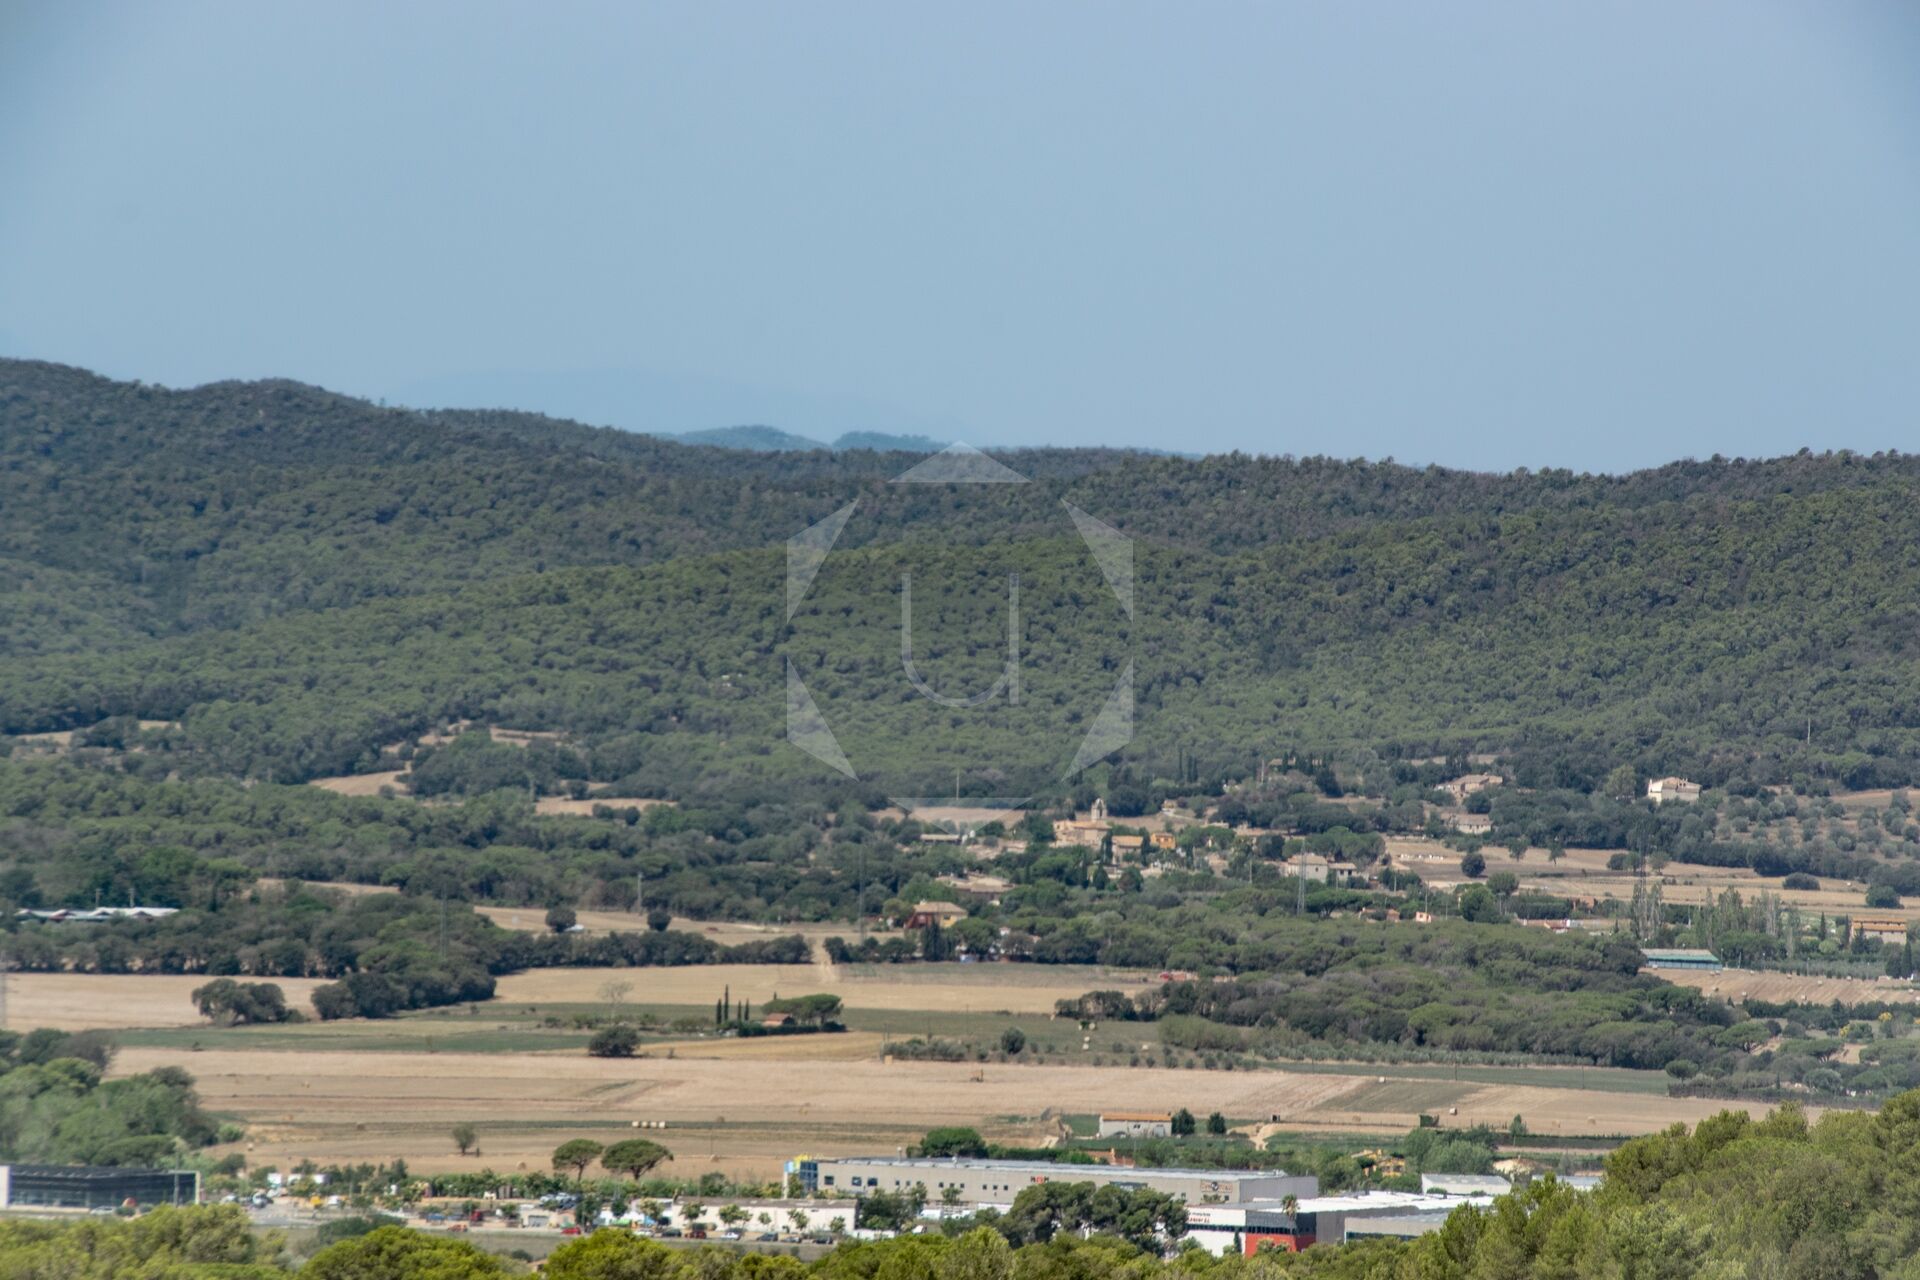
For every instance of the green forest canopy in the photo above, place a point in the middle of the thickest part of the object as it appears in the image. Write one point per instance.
(299, 578)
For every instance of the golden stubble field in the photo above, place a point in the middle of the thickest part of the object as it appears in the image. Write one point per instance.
(76, 1001)
(1583, 872)
(1742, 984)
(744, 1107)
(83, 1001)
(936, 989)
(747, 1112)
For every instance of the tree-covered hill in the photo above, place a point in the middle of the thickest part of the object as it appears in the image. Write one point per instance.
(299, 578)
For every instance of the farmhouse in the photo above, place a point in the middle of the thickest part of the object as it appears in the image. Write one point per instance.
(1888, 929)
(1465, 785)
(932, 913)
(1310, 866)
(1165, 841)
(1662, 790)
(1128, 846)
(1472, 824)
(1090, 834)
(1135, 1124)
(999, 1181)
(981, 888)
(1683, 958)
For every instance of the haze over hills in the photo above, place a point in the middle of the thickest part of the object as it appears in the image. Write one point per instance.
(774, 440)
(298, 577)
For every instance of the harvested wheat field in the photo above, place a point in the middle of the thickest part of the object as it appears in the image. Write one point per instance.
(1584, 873)
(933, 988)
(566, 807)
(79, 1001)
(744, 1114)
(1743, 984)
(726, 932)
(1549, 1111)
(957, 815)
(748, 1111)
(846, 1046)
(363, 784)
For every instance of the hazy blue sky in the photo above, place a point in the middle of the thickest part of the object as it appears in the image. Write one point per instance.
(1597, 235)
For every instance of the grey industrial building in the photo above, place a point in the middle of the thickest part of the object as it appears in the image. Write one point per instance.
(1309, 1220)
(64, 1186)
(976, 1181)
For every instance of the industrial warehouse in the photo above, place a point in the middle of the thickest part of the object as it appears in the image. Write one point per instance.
(51, 1186)
(1227, 1210)
(1293, 1224)
(997, 1182)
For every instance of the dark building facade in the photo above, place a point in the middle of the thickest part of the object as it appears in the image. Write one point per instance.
(72, 1186)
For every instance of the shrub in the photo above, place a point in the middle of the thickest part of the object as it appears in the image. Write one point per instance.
(237, 1003)
(617, 1041)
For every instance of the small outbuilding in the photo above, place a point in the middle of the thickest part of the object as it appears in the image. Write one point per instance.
(1136, 1124)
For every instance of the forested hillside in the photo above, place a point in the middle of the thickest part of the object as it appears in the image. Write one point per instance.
(298, 579)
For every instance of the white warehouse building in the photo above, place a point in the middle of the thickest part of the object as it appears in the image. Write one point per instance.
(997, 1182)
